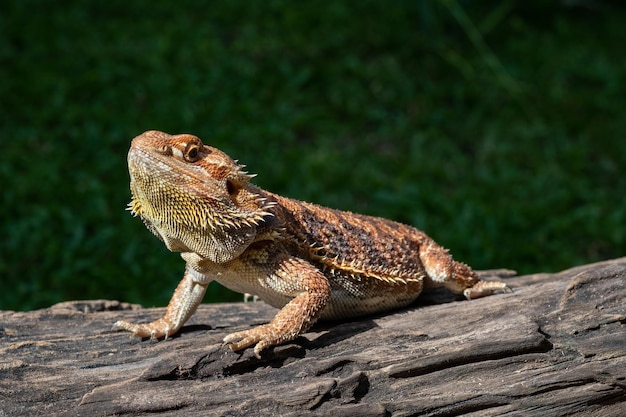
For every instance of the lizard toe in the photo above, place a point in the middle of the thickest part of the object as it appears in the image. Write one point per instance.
(155, 330)
(486, 288)
(125, 325)
(261, 337)
(241, 340)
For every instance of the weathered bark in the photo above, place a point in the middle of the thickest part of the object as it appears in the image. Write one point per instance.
(554, 347)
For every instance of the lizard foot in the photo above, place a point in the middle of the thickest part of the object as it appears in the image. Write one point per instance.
(155, 330)
(263, 336)
(485, 288)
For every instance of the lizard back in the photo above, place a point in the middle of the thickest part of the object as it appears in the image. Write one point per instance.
(372, 263)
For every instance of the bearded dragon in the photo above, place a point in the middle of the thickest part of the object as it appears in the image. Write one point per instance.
(309, 261)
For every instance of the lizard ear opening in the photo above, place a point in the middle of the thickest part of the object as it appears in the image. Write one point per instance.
(232, 188)
(236, 192)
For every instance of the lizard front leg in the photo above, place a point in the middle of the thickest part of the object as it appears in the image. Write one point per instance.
(311, 290)
(183, 304)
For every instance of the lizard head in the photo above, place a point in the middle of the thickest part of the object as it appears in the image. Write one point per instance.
(192, 196)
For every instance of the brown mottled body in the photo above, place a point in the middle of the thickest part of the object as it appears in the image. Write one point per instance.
(307, 260)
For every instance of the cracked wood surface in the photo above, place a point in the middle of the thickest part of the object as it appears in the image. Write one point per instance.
(554, 347)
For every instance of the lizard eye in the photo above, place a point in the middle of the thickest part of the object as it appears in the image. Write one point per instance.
(192, 152)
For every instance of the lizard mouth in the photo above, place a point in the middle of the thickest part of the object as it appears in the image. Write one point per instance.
(160, 162)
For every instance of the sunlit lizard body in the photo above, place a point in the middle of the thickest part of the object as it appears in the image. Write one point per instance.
(309, 261)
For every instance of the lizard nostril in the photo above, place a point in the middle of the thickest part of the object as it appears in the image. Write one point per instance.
(165, 150)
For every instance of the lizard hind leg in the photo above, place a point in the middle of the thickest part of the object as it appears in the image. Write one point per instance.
(475, 287)
(457, 277)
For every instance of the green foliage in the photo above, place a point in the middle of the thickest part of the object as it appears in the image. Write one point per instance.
(499, 130)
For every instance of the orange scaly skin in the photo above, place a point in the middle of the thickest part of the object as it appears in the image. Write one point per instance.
(310, 261)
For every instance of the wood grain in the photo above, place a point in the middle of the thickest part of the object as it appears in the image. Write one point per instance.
(554, 347)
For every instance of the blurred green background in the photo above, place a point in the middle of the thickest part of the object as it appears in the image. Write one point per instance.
(496, 127)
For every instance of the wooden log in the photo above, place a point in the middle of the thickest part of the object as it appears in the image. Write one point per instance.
(554, 347)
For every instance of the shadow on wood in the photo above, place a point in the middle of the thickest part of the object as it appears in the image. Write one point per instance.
(554, 347)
